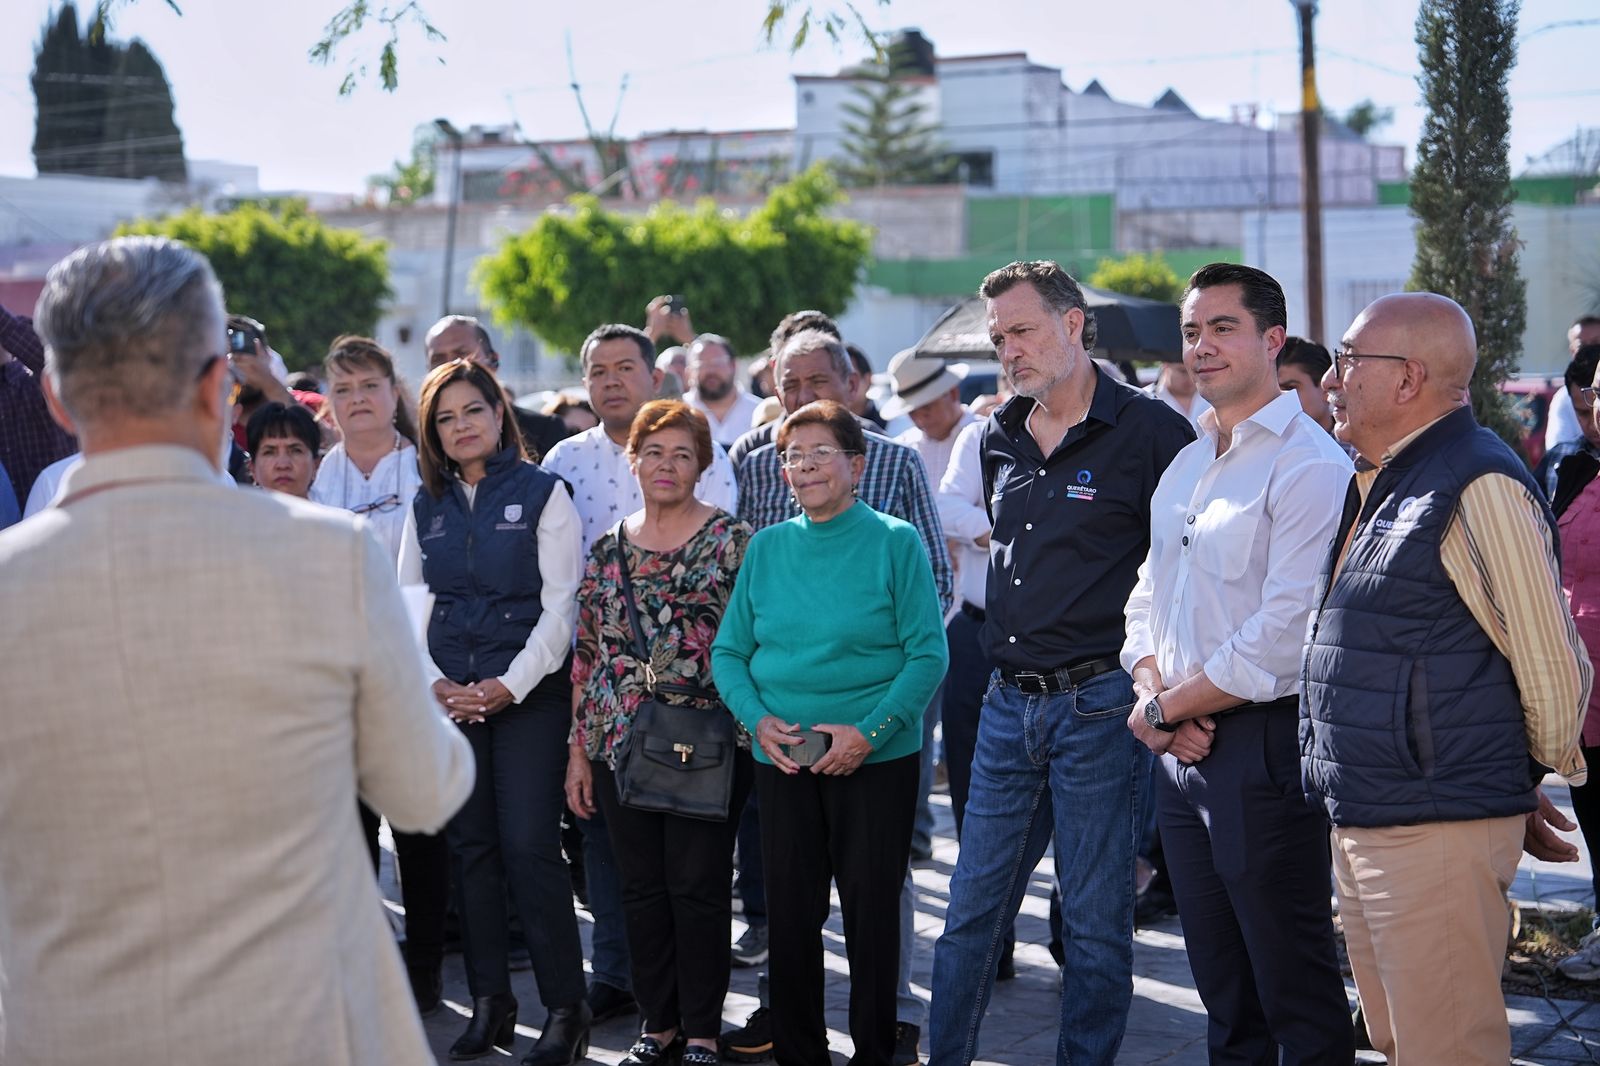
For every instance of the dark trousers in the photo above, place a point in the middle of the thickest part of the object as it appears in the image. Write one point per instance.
(1250, 868)
(1586, 805)
(424, 865)
(675, 874)
(854, 831)
(508, 836)
(751, 884)
(964, 685)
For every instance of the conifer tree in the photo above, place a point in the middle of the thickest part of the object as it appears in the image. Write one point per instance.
(103, 109)
(1461, 186)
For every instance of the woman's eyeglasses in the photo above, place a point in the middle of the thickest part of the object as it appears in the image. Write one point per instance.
(815, 457)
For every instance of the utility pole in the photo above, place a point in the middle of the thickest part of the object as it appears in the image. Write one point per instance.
(454, 136)
(1310, 170)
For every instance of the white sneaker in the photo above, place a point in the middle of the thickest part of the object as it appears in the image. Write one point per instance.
(1583, 964)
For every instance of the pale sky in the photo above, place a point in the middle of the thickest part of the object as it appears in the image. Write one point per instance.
(247, 93)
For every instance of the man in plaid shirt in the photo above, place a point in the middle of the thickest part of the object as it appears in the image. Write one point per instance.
(815, 366)
(30, 440)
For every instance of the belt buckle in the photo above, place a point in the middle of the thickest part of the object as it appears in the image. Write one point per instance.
(1027, 678)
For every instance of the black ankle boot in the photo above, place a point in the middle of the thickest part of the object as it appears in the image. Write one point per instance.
(564, 1039)
(494, 1024)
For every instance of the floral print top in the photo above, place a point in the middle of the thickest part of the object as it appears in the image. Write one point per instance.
(681, 595)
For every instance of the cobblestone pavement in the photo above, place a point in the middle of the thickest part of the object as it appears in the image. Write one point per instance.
(1166, 1024)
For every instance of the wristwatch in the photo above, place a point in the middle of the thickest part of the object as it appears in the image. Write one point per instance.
(1153, 717)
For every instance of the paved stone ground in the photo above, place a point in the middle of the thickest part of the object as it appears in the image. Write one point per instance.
(1166, 1024)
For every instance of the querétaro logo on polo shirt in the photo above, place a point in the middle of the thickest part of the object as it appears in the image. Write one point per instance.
(1083, 490)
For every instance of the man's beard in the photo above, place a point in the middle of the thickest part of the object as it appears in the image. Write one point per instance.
(715, 389)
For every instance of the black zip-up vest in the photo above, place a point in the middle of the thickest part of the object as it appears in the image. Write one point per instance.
(482, 565)
(1409, 713)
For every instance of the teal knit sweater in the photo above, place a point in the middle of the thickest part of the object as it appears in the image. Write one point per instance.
(834, 622)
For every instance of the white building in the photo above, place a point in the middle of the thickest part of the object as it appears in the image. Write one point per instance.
(1367, 253)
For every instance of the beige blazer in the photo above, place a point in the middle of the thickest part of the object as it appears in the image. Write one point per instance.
(195, 682)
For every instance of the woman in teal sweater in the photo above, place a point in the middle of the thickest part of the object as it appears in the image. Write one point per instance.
(831, 647)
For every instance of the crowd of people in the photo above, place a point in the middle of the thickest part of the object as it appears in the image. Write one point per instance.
(1286, 626)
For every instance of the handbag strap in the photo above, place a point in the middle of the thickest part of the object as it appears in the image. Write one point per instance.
(641, 650)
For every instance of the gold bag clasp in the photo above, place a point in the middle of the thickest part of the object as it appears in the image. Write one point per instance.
(684, 751)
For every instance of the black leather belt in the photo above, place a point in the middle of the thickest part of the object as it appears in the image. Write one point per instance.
(977, 614)
(1038, 682)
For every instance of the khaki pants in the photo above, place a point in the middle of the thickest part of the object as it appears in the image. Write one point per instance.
(1425, 922)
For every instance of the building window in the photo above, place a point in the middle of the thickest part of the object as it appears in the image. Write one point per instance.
(974, 168)
(808, 97)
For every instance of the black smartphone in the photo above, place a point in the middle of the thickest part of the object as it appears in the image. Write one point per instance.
(675, 305)
(811, 749)
(242, 341)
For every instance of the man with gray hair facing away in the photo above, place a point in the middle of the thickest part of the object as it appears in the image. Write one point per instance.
(179, 850)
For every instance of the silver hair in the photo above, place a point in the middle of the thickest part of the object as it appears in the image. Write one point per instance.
(814, 340)
(129, 325)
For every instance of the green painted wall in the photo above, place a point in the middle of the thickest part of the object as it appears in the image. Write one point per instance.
(1025, 227)
(1558, 189)
(960, 277)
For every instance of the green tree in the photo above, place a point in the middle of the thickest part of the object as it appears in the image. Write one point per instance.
(739, 276)
(410, 180)
(888, 138)
(1461, 186)
(306, 281)
(1367, 117)
(102, 108)
(1138, 274)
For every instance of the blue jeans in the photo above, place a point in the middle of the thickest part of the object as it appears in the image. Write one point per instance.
(1062, 764)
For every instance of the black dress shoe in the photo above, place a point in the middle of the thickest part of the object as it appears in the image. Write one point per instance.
(427, 986)
(609, 1001)
(564, 1039)
(493, 1025)
(648, 1051)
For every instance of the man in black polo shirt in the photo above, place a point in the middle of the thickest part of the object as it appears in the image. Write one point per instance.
(1069, 465)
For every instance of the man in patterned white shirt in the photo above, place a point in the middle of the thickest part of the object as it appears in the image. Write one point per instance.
(619, 372)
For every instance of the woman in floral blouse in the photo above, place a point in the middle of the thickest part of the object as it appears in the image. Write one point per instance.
(682, 557)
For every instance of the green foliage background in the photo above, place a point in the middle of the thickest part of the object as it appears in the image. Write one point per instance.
(1138, 274)
(739, 276)
(307, 282)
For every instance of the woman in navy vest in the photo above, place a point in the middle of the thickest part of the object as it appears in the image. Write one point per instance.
(496, 540)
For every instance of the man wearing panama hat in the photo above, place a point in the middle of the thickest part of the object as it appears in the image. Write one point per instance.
(928, 390)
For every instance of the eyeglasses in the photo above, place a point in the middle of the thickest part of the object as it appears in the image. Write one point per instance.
(1587, 395)
(815, 457)
(383, 506)
(1343, 357)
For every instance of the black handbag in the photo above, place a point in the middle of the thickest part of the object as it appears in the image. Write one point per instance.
(675, 760)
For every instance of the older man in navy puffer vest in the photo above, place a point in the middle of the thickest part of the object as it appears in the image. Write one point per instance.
(1442, 677)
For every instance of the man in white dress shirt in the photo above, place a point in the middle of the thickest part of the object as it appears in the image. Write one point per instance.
(1240, 522)
(715, 391)
(619, 372)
